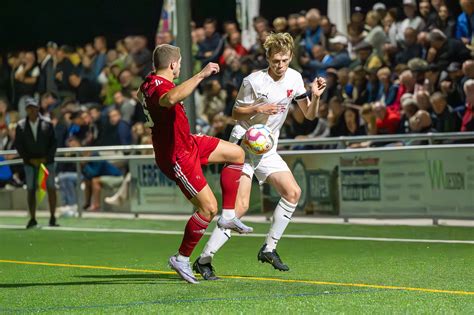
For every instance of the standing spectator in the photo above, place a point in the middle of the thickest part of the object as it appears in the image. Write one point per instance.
(211, 48)
(312, 34)
(444, 22)
(376, 35)
(64, 68)
(46, 82)
(36, 144)
(465, 22)
(412, 20)
(26, 79)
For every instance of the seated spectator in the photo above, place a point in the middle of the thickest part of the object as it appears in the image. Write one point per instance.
(464, 24)
(116, 131)
(423, 100)
(409, 108)
(444, 118)
(329, 31)
(336, 123)
(420, 123)
(467, 123)
(80, 129)
(388, 120)
(369, 119)
(419, 68)
(445, 50)
(366, 57)
(280, 24)
(340, 55)
(352, 122)
(213, 101)
(387, 92)
(125, 105)
(317, 65)
(360, 94)
(410, 48)
(86, 91)
(451, 83)
(313, 33)
(444, 22)
(320, 131)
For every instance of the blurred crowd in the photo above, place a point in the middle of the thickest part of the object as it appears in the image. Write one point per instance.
(398, 70)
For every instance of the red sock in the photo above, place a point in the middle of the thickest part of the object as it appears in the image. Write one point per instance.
(193, 232)
(230, 178)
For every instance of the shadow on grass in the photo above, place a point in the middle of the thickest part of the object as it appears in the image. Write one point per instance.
(112, 280)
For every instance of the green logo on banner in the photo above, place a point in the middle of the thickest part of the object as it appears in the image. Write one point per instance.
(444, 180)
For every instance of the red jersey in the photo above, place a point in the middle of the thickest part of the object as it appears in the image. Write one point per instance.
(171, 132)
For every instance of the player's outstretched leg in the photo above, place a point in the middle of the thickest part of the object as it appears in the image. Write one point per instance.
(219, 237)
(286, 185)
(233, 156)
(206, 204)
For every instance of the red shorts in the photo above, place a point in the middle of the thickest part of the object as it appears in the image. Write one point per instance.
(187, 171)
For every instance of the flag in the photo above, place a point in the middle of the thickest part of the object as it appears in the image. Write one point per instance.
(41, 187)
(168, 22)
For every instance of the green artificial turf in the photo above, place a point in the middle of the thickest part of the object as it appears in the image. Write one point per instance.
(54, 289)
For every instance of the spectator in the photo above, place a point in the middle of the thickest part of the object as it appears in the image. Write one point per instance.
(387, 92)
(36, 144)
(125, 105)
(352, 122)
(366, 57)
(67, 179)
(46, 80)
(445, 50)
(211, 48)
(360, 93)
(213, 100)
(451, 84)
(340, 57)
(26, 79)
(280, 24)
(468, 117)
(312, 34)
(421, 122)
(410, 48)
(464, 22)
(116, 131)
(427, 15)
(329, 31)
(411, 20)
(141, 56)
(85, 90)
(444, 118)
(317, 65)
(409, 108)
(64, 69)
(376, 36)
(423, 100)
(444, 22)
(388, 120)
(336, 122)
(369, 119)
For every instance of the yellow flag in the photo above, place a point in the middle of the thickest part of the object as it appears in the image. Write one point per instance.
(41, 187)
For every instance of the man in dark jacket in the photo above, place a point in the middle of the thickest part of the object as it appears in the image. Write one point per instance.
(36, 144)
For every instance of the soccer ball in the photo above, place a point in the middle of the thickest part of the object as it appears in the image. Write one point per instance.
(258, 139)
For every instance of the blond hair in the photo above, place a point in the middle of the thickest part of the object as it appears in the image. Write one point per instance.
(278, 43)
(164, 55)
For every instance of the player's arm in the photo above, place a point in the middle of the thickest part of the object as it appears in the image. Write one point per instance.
(180, 92)
(310, 108)
(247, 106)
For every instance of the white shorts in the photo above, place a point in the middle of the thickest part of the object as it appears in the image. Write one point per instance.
(263, 166)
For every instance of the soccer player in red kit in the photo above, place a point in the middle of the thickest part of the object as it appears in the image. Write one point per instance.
(180, 154)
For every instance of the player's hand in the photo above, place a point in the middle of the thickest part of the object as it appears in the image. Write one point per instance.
(318, 86)
(270, 109)
(210, 69)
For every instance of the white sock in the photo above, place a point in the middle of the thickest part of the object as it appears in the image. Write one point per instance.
(281, 217)
(228, 214)
(218, 238)
(182, 258)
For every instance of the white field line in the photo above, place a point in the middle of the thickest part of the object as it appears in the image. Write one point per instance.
(297, 236)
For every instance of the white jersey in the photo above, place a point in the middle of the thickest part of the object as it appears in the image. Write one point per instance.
(260, 88)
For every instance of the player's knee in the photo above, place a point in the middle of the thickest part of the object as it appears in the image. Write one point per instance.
(293, 195)
(210, 209)
(239, 155)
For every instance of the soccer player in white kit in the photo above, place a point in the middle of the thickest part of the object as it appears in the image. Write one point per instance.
(264, 98)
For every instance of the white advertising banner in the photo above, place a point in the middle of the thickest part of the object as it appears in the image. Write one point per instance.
(152, 191)
(422, 182)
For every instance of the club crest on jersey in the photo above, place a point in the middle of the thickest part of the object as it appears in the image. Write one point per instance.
(289, 93)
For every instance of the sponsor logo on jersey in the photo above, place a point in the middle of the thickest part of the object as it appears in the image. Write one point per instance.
(289, 93)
